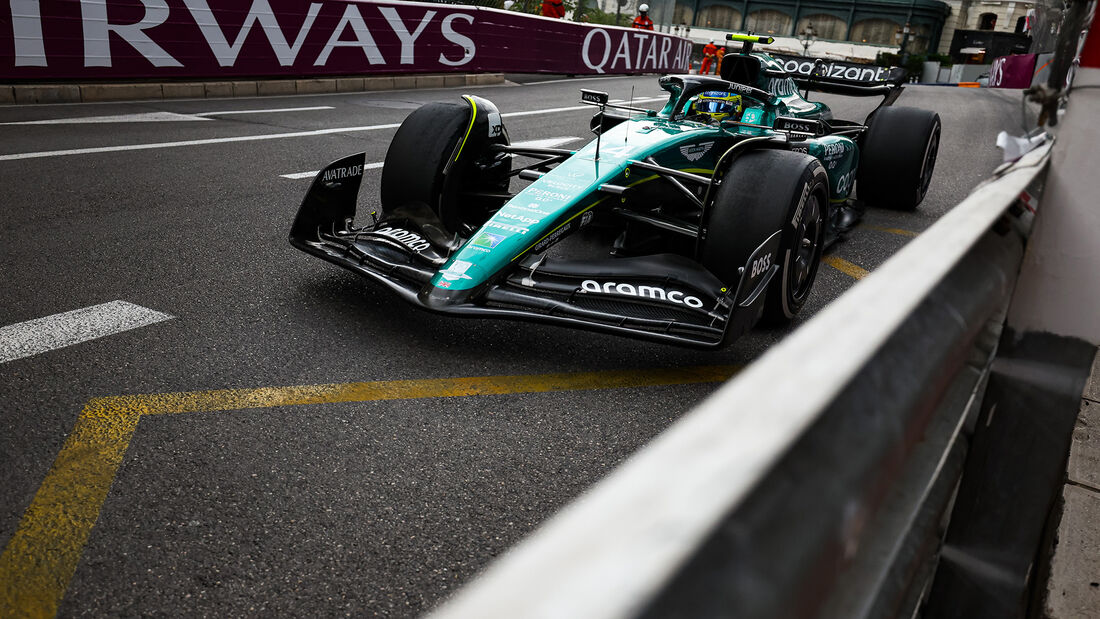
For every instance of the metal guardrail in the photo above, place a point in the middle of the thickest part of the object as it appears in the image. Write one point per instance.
(813, 483)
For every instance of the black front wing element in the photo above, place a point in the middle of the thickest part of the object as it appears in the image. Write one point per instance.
(666, 298)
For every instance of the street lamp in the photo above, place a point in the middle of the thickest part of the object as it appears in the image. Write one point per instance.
(902, 37)
(807, 38)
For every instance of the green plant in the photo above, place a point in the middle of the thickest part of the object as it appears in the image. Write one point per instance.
(593, 15)
(943, 59)
(915, 64)
(886, 59)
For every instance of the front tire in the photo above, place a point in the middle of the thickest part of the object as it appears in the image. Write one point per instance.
(898, 156)
(765, 191)
(419, 154)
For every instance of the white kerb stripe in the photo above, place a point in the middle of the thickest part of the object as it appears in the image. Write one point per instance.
(41, 335)
(144, 117)
(254, 138)
(151, 117)
(547, 143)
(267, 111)
(239, 138)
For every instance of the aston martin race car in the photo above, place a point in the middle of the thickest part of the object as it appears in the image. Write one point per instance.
(685, 225)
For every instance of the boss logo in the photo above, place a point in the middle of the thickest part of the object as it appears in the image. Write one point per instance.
(760, 265)
(593, 96)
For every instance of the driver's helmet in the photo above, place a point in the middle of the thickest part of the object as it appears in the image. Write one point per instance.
(718, 105)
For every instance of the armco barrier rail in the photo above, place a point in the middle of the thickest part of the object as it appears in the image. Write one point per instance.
(201, 39)
(813, 483)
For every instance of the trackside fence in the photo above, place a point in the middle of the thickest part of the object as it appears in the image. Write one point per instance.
(813, 484)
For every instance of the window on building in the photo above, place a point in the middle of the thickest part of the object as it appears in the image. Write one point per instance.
(987, 21)
(719, 18)
(825, 26)
(683, 14)
(768, 21)
(1021, 24)
(878, 31)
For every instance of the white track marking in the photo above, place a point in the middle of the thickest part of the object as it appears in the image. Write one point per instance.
(255, 138)
(40, 335)
(571, 108)
(147, 117)
(157, 145)
(271, 111)
(158, 117)
(547, 143)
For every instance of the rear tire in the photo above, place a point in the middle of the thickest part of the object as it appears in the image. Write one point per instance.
(420, 150)
(761, 193)
(897, 157)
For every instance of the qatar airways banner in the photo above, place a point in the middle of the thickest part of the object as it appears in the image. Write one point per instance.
(122, 39)
(1012, 71)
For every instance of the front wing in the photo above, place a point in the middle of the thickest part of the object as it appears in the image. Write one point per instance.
(665, 297)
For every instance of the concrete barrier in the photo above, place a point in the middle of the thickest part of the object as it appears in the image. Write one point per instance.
(814, 483)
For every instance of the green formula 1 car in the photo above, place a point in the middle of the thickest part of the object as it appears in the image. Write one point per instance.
(686, 225)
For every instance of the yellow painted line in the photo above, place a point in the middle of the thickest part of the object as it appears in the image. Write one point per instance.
(41, 557)
(845, 267)
(897, 231)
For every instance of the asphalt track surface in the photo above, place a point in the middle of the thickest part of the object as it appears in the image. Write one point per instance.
(376, 498)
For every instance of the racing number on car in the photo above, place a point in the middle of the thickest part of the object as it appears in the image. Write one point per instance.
(843, 182)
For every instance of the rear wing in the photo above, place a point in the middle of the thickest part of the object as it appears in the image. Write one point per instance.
(889, 90)
(844, 78)
(832, 76)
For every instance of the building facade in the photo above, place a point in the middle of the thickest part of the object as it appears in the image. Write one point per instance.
(994, 15)
(932, 23)
(878, 22)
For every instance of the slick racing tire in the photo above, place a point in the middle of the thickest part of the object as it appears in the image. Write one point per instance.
(760, 194)
(413, 170)
(897, 157)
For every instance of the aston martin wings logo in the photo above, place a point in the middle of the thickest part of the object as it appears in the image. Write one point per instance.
(695, 152)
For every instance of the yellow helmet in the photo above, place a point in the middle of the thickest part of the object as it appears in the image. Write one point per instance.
(718, 104)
